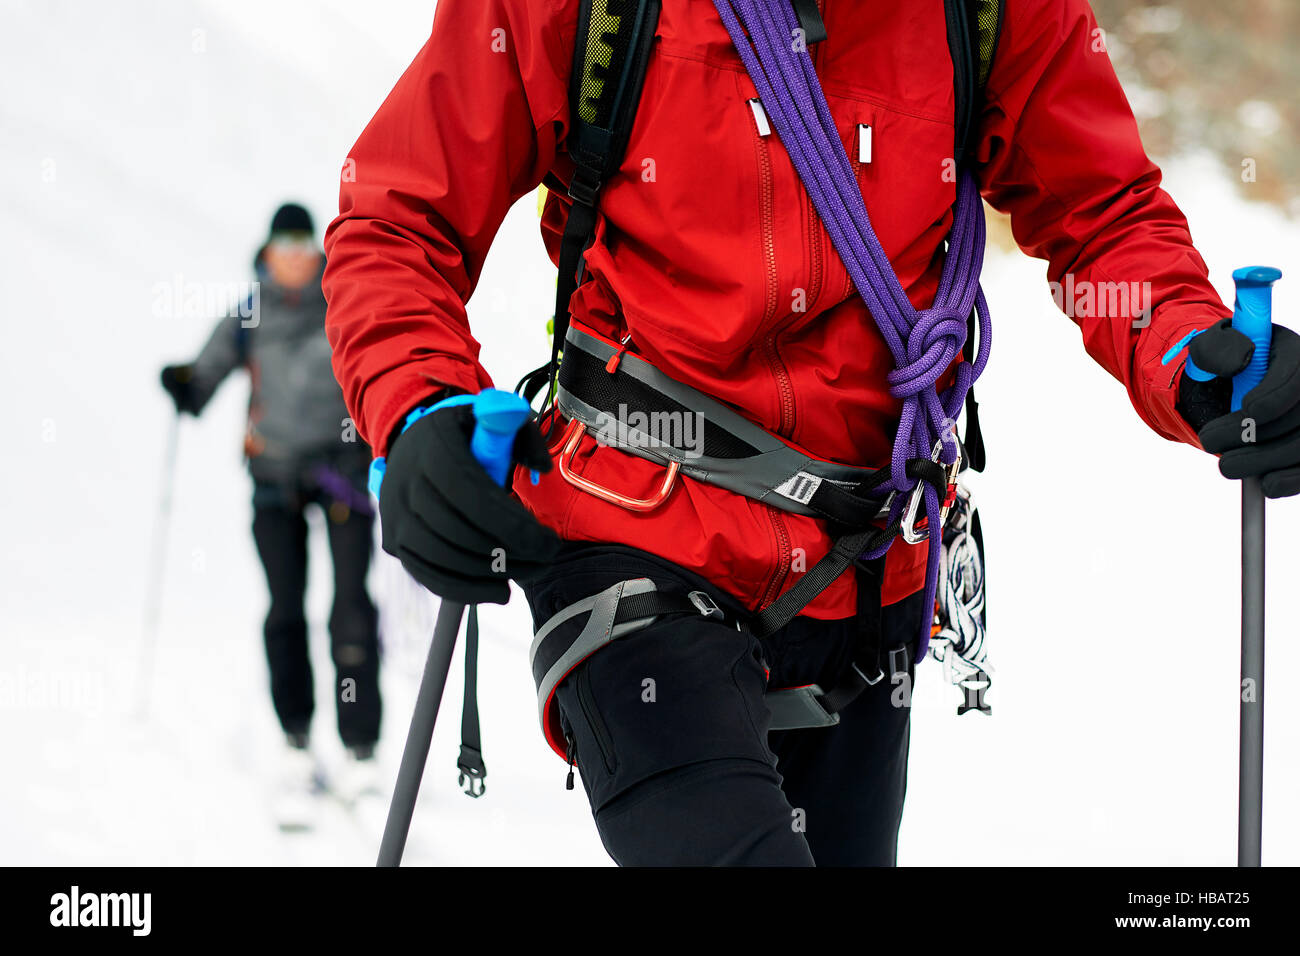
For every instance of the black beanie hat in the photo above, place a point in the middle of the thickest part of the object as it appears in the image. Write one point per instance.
(292, 218)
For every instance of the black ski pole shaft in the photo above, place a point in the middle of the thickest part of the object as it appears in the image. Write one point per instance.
(157, 569)
(418, 738)
(1250, 789)
(1252, 316)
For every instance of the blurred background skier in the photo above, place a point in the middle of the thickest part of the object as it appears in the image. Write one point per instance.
(301, 450)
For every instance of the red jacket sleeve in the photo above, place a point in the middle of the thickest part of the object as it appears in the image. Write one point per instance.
(472, 125)
(1060, 153)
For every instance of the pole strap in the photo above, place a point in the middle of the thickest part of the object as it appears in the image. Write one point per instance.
(472, 769)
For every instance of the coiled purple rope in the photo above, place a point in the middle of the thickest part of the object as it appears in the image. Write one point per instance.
(924, 343)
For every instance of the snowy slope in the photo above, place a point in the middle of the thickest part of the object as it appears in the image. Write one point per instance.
(140, 154)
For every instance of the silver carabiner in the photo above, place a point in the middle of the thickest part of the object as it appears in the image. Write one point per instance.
(910, 532)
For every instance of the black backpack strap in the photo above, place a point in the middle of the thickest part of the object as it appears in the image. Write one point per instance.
(973, 454)
(986, 19)
(810, 21)
(610, 58)
(965, 76)
(973, 30)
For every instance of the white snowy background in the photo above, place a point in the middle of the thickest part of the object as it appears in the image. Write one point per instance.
(146, 143)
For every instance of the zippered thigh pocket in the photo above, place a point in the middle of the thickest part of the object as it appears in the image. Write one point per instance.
(591, 714)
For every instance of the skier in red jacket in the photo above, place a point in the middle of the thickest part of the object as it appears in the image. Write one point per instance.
(711, 264)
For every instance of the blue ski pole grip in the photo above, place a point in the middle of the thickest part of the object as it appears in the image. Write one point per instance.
(1252, 315)
(498, 416)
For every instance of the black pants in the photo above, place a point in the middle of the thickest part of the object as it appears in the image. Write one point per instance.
(280, 530)
(670, 731)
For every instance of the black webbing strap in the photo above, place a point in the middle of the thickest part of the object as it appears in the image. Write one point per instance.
(866, 669)
(840, 558)
(870, 659)
(974, 454)
(973, 441)
(578, 231)
(600, 125)
(818, 578)
(632, 607)
(471, 766)
(849, 508)
(865, 672)
(965, 75)
(810, 21)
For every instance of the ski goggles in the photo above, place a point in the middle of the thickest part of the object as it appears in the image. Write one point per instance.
(300, 242)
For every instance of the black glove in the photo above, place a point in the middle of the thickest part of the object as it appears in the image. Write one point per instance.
(1263, 438)
(176, 379)
(453, 528)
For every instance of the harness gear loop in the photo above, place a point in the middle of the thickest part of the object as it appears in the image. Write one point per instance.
(572, 436)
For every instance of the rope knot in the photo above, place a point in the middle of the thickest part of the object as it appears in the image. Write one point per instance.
(932, 343)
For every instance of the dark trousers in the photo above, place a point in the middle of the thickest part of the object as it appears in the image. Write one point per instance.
(280, 530)
(670, 731)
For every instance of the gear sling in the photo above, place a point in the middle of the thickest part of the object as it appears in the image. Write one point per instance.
(588, 378)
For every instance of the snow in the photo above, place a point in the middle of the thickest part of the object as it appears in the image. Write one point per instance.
(138, 152)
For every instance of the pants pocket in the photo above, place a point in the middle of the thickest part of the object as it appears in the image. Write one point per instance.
(599, 733)
(682, 691)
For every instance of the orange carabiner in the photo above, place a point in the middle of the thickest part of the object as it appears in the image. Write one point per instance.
(573, 435)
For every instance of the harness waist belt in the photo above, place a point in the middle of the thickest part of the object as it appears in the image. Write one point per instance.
(627, 403)
(624, 401)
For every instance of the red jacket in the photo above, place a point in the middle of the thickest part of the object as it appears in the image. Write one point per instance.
(703, 258)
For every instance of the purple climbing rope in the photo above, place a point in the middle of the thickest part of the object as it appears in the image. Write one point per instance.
(924, 342)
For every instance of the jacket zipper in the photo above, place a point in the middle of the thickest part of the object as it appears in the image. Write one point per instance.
(588, 703)
(782, 570)
(781, 374)
(814, 254)
(767, 227)
(767, 218)
(570, 754)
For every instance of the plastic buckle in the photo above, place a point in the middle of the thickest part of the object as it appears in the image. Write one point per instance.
(898, 661)
(870, 681)
(798, 708)
(706, 605)
(583, 188)
(911, 532)
(472, 771)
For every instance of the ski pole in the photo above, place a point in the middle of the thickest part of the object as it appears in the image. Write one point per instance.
(157, 569)
(498, 416)
(1252, 316)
